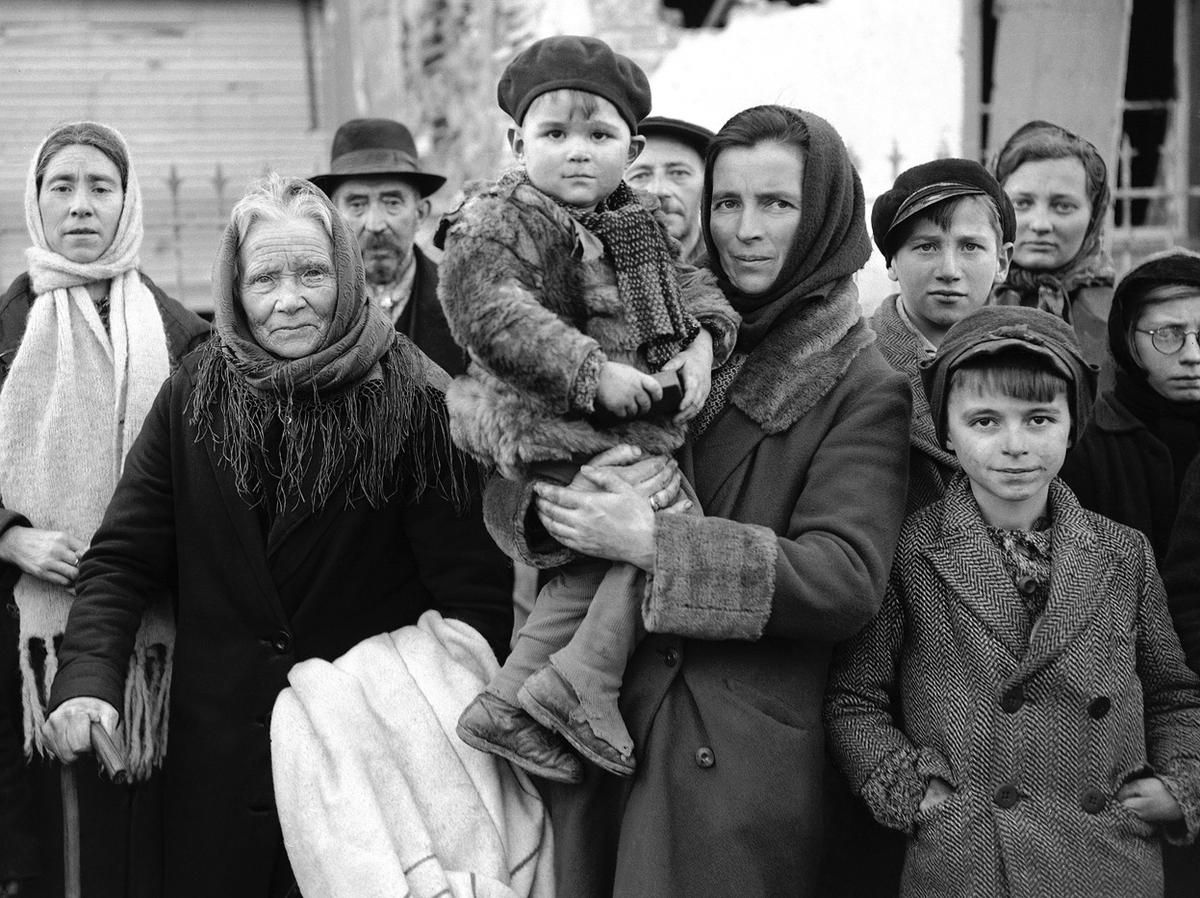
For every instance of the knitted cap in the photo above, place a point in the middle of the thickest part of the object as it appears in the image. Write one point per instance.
(930, 183)
(574, 63)
(994, 329)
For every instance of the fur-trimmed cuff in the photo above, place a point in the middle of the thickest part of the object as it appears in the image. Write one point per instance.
(896, 786)
(587, 379)
(1181, 777)
(724, 333)
(712, 578)
(510, 518)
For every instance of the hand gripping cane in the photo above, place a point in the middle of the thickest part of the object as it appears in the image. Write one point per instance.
(109, 757)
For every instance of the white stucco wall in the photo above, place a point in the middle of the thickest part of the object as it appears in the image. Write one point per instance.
(879, 70)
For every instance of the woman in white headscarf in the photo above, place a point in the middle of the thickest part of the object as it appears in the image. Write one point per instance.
(86, 340)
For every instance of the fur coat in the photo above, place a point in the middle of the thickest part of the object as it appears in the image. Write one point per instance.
(930, 467)
(528, 292)
(1035, 737)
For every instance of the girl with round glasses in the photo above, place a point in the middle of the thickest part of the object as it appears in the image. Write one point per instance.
(1130, 462)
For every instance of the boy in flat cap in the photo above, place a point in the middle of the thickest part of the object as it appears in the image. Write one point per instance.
(946, 232)
(569, 295)
(1020, 707)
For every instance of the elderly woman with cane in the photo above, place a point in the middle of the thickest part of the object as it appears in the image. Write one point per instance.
(294, 485)
(86, 340)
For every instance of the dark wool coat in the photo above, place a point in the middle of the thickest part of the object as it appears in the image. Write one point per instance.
(526, 290)
(724, 703)
(30, 803)
(423, 321)
(1124, 472)
(1181, 569)
(1035, 737)
(248, 607)
(930, 467)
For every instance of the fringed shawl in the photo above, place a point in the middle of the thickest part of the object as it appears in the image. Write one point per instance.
(363, 415)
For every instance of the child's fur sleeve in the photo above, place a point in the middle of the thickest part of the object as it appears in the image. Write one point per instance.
(708, 305)
(501, 293)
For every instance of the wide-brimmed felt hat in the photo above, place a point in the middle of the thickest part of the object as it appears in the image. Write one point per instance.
(690, 135)
(375, 147)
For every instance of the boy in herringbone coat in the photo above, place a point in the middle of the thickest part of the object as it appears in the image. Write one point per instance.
(1021, 706)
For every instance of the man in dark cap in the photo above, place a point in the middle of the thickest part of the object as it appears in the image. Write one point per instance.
(672, 168)
(376, 181)
(946, 232)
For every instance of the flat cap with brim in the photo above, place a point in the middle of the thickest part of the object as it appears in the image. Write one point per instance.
(690, 135)
(570, 62)
(375, 147)
(992, 330)
(930, 183)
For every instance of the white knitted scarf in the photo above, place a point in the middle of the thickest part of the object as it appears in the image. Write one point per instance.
(70, 409)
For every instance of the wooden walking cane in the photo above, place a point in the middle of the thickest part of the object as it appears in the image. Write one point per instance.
(110, 760)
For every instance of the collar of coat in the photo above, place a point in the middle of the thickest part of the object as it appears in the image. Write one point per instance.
(902, 350)
(802, 358)
(1083, 561)
(1110, 415)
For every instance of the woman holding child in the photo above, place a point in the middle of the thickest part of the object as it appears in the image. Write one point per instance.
(799, 462)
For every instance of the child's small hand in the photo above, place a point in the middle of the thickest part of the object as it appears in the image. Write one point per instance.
(1150, 800)
(624, 391)
(936, 792)
(695, 370)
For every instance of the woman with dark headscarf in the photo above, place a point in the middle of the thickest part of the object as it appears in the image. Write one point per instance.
(295, 486)
(86, 340)
(1130, 464)
(1058, 184)
(799, 459)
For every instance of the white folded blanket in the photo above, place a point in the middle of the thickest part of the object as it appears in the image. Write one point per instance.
(377, 795)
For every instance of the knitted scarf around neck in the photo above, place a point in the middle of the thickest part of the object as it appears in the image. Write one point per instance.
(642, 257)
(1052, 289)
(71, 407)
(831, 242)
(361, 415)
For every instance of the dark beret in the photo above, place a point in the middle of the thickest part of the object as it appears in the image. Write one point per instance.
(930, 183)
(575, 63)
(994, 329)
(690, 135)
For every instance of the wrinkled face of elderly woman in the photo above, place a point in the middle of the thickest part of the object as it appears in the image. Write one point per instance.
(288, 286)
(756, 211)
(80, 202)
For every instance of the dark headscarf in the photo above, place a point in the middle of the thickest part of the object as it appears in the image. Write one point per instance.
(831, 242)
(1051, 289)
(1176, 424)
(361, 413)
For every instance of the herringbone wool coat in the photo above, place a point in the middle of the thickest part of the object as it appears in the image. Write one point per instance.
(1035, 733)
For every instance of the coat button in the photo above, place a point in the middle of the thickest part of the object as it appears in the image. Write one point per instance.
(1012, 700)
(1099, 706)
(1027, 586)
(705, 757)
(1006, 796)
(282, 642)
(671, 657)
(1093, 801)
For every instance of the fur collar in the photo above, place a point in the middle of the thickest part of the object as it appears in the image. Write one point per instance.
(801, 358)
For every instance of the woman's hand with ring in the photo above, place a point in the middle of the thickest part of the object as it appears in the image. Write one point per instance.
(49, 555)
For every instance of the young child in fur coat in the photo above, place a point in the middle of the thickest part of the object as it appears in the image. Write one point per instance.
(1020, 706)
(568, 294)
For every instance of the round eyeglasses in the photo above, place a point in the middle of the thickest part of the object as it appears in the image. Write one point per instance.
(1170, 339)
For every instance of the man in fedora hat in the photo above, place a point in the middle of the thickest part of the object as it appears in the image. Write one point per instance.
(375, 180)
(672, 168)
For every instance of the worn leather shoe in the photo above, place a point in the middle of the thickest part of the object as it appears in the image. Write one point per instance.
(551, 701)
(492, 725)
